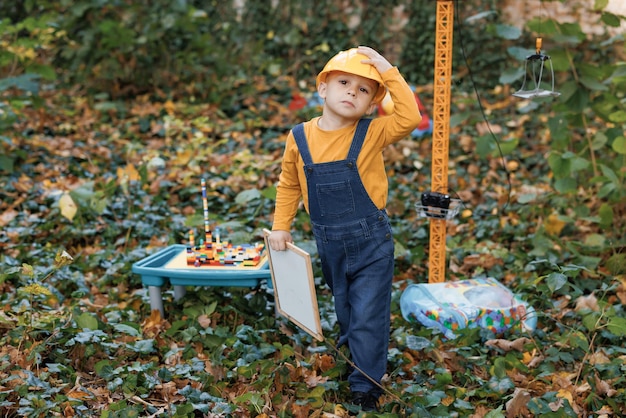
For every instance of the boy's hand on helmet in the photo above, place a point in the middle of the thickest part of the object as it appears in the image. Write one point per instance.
(378, 61)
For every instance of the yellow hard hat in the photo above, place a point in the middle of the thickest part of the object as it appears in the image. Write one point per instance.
(349, 61)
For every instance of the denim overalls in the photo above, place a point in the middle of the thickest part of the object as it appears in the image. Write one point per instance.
(355, 245)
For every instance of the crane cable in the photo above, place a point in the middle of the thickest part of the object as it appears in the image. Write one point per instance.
(482, 110)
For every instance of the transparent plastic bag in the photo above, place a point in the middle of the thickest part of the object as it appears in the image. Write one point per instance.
(454, 305)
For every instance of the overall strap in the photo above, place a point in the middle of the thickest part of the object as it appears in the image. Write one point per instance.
(303, 147)
(358, 139)
(355, 147)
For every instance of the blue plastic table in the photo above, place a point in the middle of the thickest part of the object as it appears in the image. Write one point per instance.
(155, 275)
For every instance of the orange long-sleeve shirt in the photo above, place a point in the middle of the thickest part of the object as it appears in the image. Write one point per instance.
(333, 145)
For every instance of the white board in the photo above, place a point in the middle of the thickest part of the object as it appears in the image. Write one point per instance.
(294, 287)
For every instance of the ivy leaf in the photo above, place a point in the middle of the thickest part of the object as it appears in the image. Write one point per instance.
(6, 163)
(104, 369)
(87, 321)
(495, 413)
(595, 240)
(507, 147)
(254, 398)
(560, 61)
(561, 167)
(579, 101)
(511, 75)
(417, 343)
(143, 346)
(269, 193)
(508, 32)
(247, 196)
(599, 141)
(566, 185)
(606, 215)
(501, 385)
(519, 53)
(617, 264)
(618, 117)
(28, 82)
(593, 83)
(499, 368)
(610, 19)
(126, 329)
(479, 16)
(610, 174)
(619, 145)
(617, 326)
(590, 321)
(600, 5)
(556, 281)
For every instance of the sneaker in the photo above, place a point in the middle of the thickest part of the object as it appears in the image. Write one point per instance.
(366, 400)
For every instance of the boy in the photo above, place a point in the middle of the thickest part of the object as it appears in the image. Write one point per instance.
(335, 163)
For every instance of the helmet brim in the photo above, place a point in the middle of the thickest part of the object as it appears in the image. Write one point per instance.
(350, 62)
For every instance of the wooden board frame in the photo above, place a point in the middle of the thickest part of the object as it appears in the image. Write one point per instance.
(294, 287)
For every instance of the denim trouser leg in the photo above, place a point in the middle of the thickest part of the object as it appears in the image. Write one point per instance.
(359, 272)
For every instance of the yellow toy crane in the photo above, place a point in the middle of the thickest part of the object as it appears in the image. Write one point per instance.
(435, 204)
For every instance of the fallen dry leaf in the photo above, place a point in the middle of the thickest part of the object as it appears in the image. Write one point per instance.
(554, 225)
(67, 206)
(7, 217)
(587, 302)
(324, 362)
(204, 320)
(603, 388)
(312, 380)
(516, 406)
(506, 345)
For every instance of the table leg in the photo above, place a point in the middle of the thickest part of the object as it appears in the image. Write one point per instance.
(156, 301)
(179, 292)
